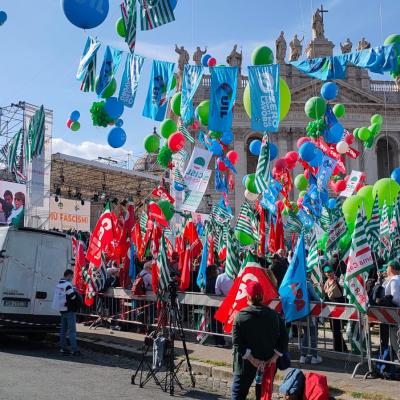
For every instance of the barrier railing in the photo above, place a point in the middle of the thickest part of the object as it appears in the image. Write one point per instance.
(322, 331)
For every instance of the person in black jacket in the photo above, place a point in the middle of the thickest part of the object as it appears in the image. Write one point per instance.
(259, 338)
(279, 268)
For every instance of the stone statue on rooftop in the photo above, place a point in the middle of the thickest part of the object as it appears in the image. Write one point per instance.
(363, 44)
(318, 25)
(296, 48)
(183, 57)
(346, 46)
(198, 54)
(234, 59)
(281, 49)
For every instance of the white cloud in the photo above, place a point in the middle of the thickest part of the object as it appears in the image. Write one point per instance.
(88, 150)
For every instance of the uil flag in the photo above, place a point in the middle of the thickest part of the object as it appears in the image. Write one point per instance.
(111, 61)
(201, 280)
(264, 96)
(104, 233)
(192, 75)
(293, 289)
(222, 97)
(236, 299)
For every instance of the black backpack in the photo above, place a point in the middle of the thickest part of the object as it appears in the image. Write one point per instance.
(76, 303)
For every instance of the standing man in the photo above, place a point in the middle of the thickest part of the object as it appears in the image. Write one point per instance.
(259, 338)
(67, 302)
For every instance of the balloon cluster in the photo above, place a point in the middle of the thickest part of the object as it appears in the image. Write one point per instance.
(73, 121)
(368, 134)
(208, 61)
(3, 17)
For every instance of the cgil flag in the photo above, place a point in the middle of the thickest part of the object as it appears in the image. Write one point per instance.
(293, 290)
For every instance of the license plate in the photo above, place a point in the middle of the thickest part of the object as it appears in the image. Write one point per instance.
(16, 303)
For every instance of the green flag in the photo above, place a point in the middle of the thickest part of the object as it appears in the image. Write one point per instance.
(262, 170)
(232, 263)
(313, 265)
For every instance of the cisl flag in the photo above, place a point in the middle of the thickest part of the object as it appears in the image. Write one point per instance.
(105, 232)
(237, 296)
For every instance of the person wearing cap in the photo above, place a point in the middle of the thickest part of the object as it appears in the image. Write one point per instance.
(333, 292)
(259, 338)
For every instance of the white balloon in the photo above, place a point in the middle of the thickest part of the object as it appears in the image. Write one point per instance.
(342, 147)
(250, 196)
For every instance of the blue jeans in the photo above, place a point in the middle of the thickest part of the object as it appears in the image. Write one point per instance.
(241, 383)
(312, 335)
(68, 324)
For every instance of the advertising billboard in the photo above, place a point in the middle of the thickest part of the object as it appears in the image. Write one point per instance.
(12, 203)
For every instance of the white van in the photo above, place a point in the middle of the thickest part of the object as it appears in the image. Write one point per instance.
(32, 262)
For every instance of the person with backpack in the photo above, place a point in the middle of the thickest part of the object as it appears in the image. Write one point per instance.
(67, 301)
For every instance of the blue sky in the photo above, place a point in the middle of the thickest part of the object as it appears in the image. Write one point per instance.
(40, 51)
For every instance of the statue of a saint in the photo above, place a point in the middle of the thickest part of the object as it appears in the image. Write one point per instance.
(318, 25)
(363, 44)
(198, 54)
(346, 46)
(296, 48)
(183, 57)
(234, 59)
(281, 49)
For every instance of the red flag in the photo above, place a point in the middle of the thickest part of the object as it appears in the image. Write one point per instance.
(279, 235)
(237, 295)
(161, 193)
(271, 239)
(80, 262)
(190, 235)
(170, 249)
(185, 270)
(136, 239)
(179, 244)
(105, 232)
(156, 214)
(155, 276)
(155, 240)
(211, 253)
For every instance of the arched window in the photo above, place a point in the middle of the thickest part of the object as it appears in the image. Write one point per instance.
(386, 155)
(251, 160)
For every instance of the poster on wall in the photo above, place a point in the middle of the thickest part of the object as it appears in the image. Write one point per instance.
(12, 203)
(69, 214)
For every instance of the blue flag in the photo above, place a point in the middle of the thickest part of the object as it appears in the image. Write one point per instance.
(111, 61)
(192, 75)
(264, 96)
(324, 172)
(156, 103)
(222, 98)
(293, 289)
(130, 79)
(201, 276)
(132, 265)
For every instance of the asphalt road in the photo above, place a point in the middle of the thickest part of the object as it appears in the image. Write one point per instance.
(33, 371)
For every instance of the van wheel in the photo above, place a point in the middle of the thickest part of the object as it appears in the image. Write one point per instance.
(37, 336)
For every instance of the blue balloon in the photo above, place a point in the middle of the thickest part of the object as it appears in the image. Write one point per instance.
(317, 160)
(227, 137)
(334, 134)
(119, 123)
(3, 17)
(331, 203)
(395, 175)
(116, 137)
(307, 151)
(85, 14)
(75, 115)
(179, 187)
(216, 148)
(244, 180)
(204, 59)
(114, 108)
(173, 3)
(273, 151)
(329, 90)
(255, 147)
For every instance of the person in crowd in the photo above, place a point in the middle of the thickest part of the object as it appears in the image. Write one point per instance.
(309, 339)
(333, 292)
(279, 268)
(67, 301)
(145, 273)
(8, 203)
(259, 338)
(211, 279)
(16, 216)
(338, 265)
(223, 284)
(289, 256)
(112, 280)
(282, 256)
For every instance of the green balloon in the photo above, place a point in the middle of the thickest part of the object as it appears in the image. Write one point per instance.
(202, 110)
(173, 83)
(386, 189)
(176, 103)
(339, 110)
(368, 200)
(262, 55)
(321, 244)
(244, 238)
(350, 208)
(215, 135)
(364, 134)
(344, 241)
(120, 27)
(302, 193)
(377, 119)
(375, 129)
(75, 126)
(250, 184)
(151, 143)
(315, 107)
(301, 182)
(285, 99)
(167, 128)
(109, 90)
(167, 209)
(355, 133)
(392, 39)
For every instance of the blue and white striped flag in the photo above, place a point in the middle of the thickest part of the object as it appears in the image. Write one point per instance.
(87, 65)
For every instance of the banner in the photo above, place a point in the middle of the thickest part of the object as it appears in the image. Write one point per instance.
(264, 96)
(222, 97)
(192, 75)
(352, 183)
(12, 201)
(68, 214)
(130, 79)
(111, 61)
(156, 103)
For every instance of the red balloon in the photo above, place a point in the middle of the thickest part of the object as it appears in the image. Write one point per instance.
(292, 156)
(340, 186)
(302, 140)
(290, 165)
(221, 165)
(349, 139)
(232, 156)
(307, 174)
(176, 142)
(336, 170)
(280, 164)
(212, 62)
(69, 123)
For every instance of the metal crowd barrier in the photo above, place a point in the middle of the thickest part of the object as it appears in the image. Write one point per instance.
(356, 337)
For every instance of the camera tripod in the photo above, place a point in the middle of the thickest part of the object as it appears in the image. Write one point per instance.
(169, 326)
